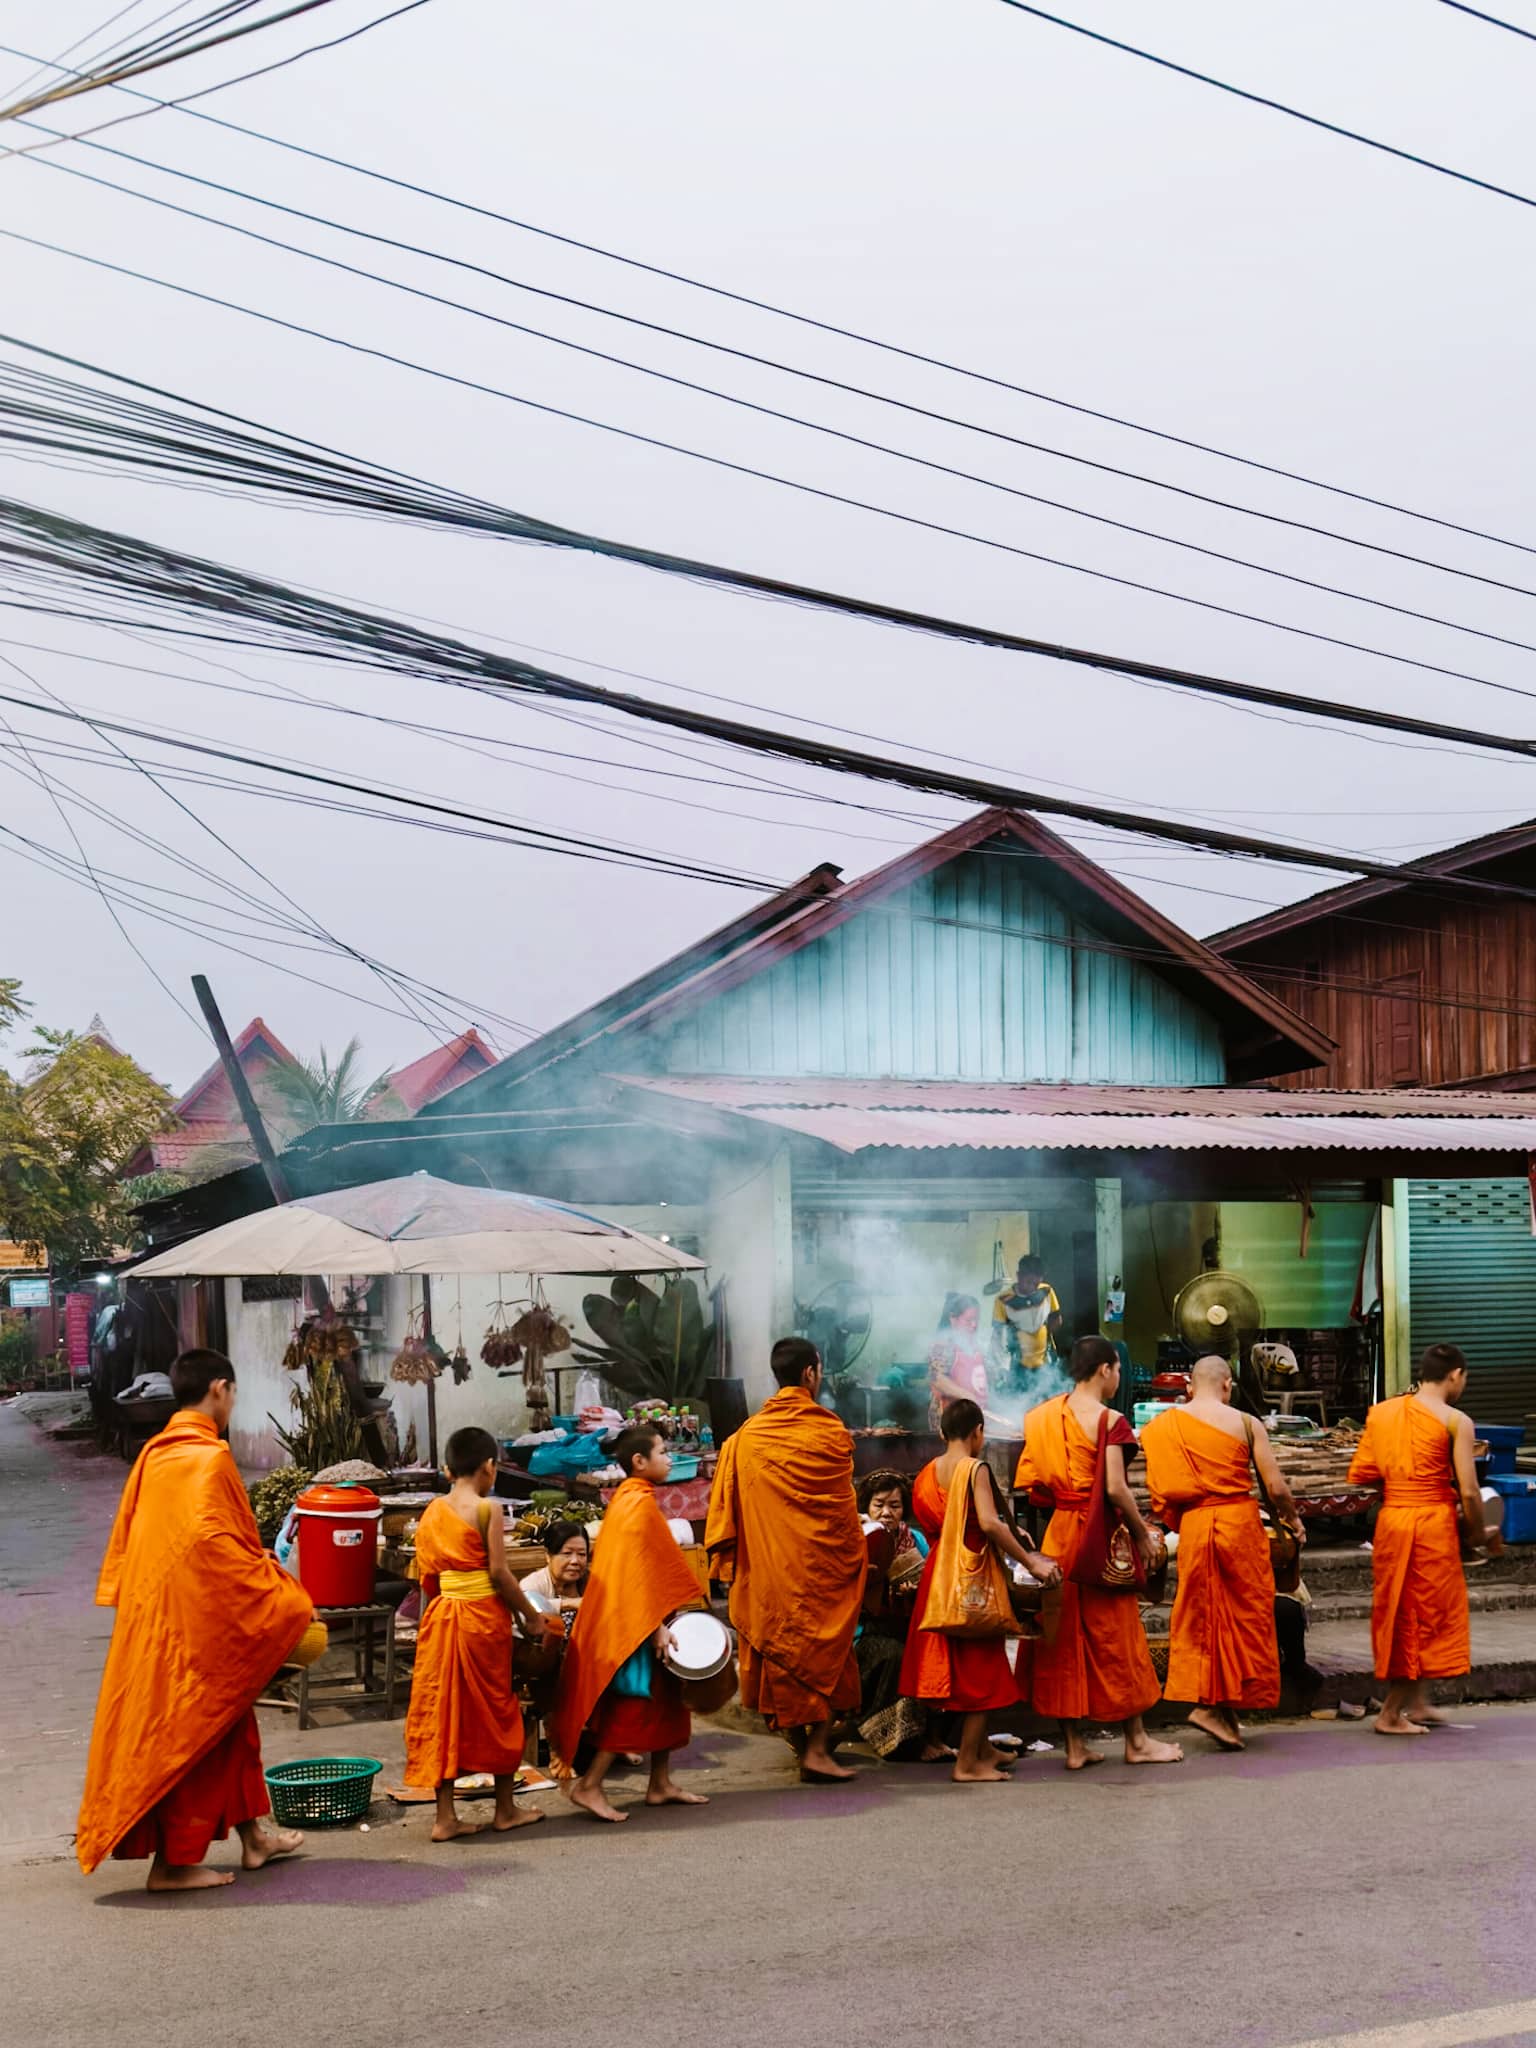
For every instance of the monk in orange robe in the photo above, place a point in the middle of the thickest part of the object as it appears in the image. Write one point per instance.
(966, 1675)
(205, 1618)
(638, 1582)
(1223, 1654)
(464, 1715)
(784, 1533)
(1418, 1449)
(1099, 1667)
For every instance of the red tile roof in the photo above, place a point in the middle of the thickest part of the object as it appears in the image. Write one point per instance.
(435, 1073)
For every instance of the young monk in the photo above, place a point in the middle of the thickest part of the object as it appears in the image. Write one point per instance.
(1224, 1654)
(785, 1534)
(205, 1617)
(637, 1582)
(464, 1715)
(966, 1675)
(1418, 1449)
(1099, 1667)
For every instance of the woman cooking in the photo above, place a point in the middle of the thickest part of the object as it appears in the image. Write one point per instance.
(957, 1363)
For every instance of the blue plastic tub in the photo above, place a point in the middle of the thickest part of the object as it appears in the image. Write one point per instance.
(1503, 1440)
(1519, 1491)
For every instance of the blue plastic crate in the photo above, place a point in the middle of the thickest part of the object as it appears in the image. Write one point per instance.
(1503, 1440)
(1519, 1491)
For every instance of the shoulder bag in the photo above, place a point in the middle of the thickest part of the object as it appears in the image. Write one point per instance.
(969, 1591)
(1284, 1543)
(1107, 1558)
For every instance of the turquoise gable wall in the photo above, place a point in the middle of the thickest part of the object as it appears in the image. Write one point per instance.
(896, 991)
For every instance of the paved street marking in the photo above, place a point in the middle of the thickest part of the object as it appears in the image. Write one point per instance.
(1490, 2023)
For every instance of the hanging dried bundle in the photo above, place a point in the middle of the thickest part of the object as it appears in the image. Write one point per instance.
(326, 1336)
(499, 1350)
(540, 1332)
(417, 1362)
(459, 1364)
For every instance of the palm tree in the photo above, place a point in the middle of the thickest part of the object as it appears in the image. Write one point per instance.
(322, 1091)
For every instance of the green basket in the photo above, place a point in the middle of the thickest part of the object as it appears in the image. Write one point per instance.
(322, 1791)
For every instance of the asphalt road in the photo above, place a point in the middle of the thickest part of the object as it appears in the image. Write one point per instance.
(1325, 1887)
(1322, 1884)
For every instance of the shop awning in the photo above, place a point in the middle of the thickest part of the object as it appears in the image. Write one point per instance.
(858, 1116)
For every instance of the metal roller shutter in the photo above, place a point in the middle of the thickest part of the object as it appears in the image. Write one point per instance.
(1472, 1282)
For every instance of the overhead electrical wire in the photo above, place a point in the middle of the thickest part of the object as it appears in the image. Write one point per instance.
(168, 49)
(812, 322)
(48, 551)
(842, 385)
(1274, 106)
(1493, 20)
(367, 487)
(870, 445)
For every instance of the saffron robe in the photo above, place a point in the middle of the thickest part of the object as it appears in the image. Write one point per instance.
(785, 1534)
(639, 1579)
(205, 1617)
(1223, 1650)
(1419, 1622)
(965, 1674)
(1099, 1667)
(463, 1715)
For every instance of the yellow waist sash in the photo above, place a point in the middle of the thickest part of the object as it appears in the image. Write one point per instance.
(474, 1585)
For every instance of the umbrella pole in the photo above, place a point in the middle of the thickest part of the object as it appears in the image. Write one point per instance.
(426, 1331)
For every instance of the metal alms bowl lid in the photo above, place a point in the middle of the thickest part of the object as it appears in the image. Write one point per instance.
(702, 1646)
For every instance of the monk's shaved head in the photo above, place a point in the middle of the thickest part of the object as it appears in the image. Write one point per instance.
(1210, 1373)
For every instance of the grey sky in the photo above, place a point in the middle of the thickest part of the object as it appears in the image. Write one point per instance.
(946, 173)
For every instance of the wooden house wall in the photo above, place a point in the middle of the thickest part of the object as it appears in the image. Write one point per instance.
(1420, 991)
(970, 974)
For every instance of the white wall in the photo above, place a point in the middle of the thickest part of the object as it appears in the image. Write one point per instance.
(258, 1336)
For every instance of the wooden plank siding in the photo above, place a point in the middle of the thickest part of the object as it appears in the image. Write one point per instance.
(968, 974)
(1424, 989)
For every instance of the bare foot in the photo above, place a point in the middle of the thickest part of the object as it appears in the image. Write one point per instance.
(1003, 1758)
(825, 1770)
(185, 1877)
(937, 1753)
(1217, 1726)
(453, 1830)
(673, 1795)
(1149, 1752)
(1397, 1726)
(592, 1802)
(267, 1844)
(523, 1817)
(1085, 1762)
(982, 1774)
(1428, 1718)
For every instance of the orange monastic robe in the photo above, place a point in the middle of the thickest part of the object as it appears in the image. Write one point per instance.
(964, 1674)
(638, 1580)
(463, 1715)
(1099, 1667)
(1419, 1622)
(785, 1534)
(1223, 1651)
(205, 1617)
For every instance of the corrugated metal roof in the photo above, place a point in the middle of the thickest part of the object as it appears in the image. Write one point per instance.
(855, 1116)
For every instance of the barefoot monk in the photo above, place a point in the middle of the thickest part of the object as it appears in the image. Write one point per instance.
(1418, 1449)
(205, 1617)
(1099, 1667)
(784, 1531)
(1223, 1653)
(614, 1688)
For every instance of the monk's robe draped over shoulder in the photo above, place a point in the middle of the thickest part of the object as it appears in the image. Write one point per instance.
(784, 1532)
(463, 1714)
(964, 1674)
(1419, 1622)
(1223, 1650)
(205, 1617)
(1099, 1667)
(638, 1580)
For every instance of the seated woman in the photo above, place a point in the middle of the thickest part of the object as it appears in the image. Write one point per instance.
(966, 1675)
(885, 1721)
(564, 1578)
(957, 1364)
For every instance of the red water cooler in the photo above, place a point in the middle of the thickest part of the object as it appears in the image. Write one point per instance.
(338, 1532)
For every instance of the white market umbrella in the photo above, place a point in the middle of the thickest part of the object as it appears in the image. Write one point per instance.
(418, 1224)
